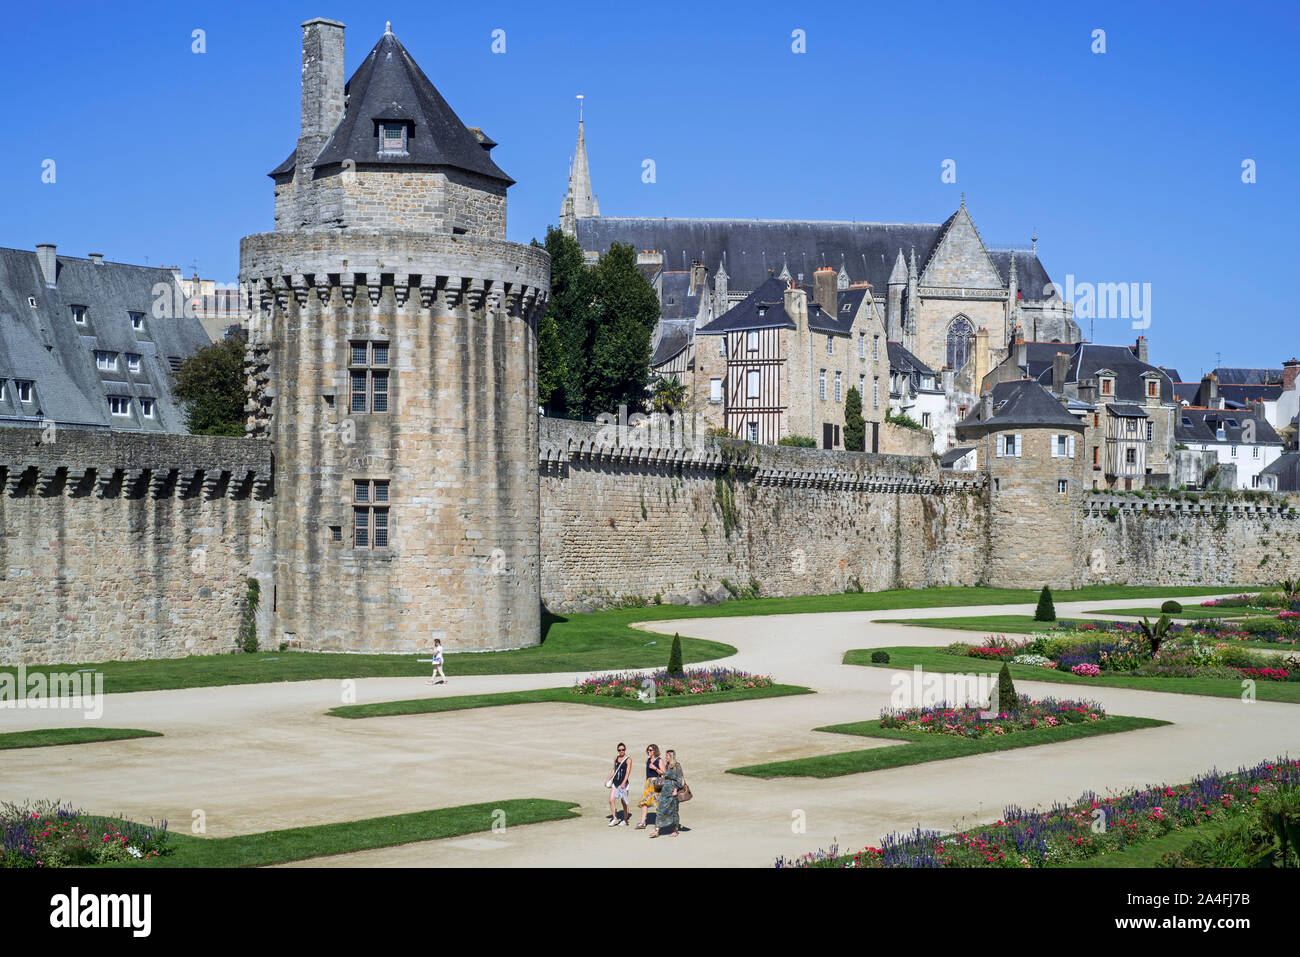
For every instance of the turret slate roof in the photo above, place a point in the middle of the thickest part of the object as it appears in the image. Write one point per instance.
(389, 85)
(1020, 403)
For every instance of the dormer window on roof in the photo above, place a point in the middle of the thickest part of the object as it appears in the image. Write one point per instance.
(79, 315)
(392, 137)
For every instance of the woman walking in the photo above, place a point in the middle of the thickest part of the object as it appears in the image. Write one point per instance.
(649, 796)
(437, 663)
(674, 780)
(617, 783)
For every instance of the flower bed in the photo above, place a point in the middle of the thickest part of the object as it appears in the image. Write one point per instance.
(692, 681)
(968, 723)
(45, 834)
(1265, 674)
(1063, 834)
(991, 653)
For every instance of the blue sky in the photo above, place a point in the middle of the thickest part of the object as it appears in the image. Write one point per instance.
(1128, 162)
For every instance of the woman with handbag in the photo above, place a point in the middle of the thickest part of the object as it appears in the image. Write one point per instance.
(617, 784)
(650, 796)
(673, 793)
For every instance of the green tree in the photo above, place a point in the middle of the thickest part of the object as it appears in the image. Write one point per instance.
(571, 309)
(667, 393)
(211, 383)
(1046, 610)
(675, 656)
(627, 310)
(855, 427)
(550, 361)
(1008, 700)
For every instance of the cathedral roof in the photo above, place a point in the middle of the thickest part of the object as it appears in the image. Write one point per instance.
(389, 85)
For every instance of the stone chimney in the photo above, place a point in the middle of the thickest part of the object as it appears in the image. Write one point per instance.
(97, 258)
(698, 278)
(1210, 391)
(1060, 367)
(825, 289)
(49, 264)
(1141, 349)
(1290, 371)
(796, 305)
(322, 89)
(986, 406)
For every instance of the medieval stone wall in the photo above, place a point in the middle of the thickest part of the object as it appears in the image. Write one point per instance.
(119, 545)
(626, 518)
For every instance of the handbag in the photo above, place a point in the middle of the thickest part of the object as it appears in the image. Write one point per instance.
(684, 793)
(658, 784)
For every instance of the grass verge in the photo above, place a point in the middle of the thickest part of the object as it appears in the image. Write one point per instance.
(933, 659)
(56, 737)
(921, 747)
(384, 709)
(601, 641)
(322, 840)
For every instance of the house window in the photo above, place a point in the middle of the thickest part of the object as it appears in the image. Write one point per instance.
(751, 431)
(79, 315)
(1106, 386)
(1060, 446)
(962, 411)
(1009, 446)
(132, 362)
(925, 419)
(106, 361)
(1153, 388)
(1151, 431)
(1096, 456)
(1131, 456)
(715, 390)
(1254, 450)
(752, 345)
(752, 383)
(146, 408)
(837, 387)
(24, 390)
(875, 347)
(1234, 451)
(1132, 425)
(875, 392)
(722, 346)
(862, 345)
(1062, 486)
(830, 346)
(1096, 420)
(119, 405)
(369, 377)
(822, 385)
(137, 320)
(370, 513)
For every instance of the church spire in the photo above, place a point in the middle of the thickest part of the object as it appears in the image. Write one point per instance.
(580, 201)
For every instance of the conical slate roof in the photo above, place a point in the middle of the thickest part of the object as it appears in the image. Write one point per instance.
(389, 85)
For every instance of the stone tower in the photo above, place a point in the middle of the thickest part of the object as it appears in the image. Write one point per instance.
(393, 359)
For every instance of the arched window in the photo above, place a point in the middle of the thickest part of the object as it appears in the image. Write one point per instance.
(959, 334)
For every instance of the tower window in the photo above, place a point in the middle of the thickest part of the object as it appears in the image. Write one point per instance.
(370, 513)
(368, 376)
(392, 137)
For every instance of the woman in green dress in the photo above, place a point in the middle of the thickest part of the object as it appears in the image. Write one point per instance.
(666, 816)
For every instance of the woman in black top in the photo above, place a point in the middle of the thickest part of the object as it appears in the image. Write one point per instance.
(617, 785)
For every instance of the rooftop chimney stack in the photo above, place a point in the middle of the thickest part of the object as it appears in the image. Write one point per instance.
(1060, 363)
(1290, 372)
(698, 280)
(986, 406)
(97, 258)
(49, 264)
(1210, 391)
(322, 88)
(1141, 348)
(826, 289)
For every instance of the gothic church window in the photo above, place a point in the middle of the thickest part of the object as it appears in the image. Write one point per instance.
(959, 335)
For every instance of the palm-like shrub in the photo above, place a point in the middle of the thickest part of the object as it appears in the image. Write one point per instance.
(1157, 633)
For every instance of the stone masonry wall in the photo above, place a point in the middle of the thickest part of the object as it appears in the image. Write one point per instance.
(623, 521)
(126, 545)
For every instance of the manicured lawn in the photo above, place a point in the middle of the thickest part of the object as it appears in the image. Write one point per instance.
(52, 737)
(923, 746)
(562, 695)
(933, 659)
(1025, 625)
(300, 843)
(1189, 611)
(1148, 853)
(601, 641)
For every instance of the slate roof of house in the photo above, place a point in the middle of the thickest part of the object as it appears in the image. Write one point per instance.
(1020, 402)
(903, 362)
(1241, 376)
(1088, 358)
(674, 336)
(1246, 393)
(1204, 425)
(45, 346)
(1187, 391)
(1126, 411)
(754, 249)
(1287, 470)
(675, 299)
(389, 85)
(764, 308)
(1172, 373)
(949, 459)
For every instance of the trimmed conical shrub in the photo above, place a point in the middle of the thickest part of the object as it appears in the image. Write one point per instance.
(1008, 700)
(675, 656)
(1046, 609)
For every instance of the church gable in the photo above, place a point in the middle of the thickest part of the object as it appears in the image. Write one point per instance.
(960, 258)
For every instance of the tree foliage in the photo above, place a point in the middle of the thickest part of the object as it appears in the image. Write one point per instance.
(211, 383)
(1008, 700)
(597, 356)
(1046, 610)
(855, 427)
(675, 656)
